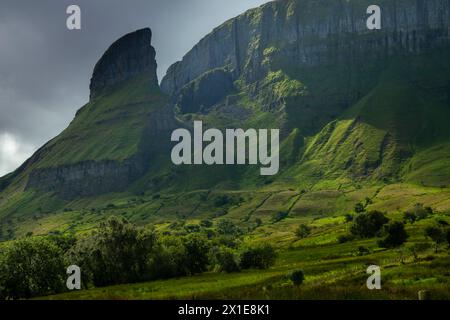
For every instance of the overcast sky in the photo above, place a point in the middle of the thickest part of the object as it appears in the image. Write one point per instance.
(45, 69)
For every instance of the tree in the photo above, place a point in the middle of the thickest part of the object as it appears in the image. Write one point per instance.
(359, 208)
(303, 231)
(227, 227)
(206, 223)
(279, 216)
(436, 234)
(409, 217)
(196, 258)
(31, 267)
(226, 261)
(367, 225)
(261, 257)
(297, 277)
(396, 235)
(117, 252)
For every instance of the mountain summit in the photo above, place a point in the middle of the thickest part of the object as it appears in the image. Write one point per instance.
(356, 107)
(128, 57)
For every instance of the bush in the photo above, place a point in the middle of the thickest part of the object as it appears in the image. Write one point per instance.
(227, 227)
(436, 234)
(348, 217)
(297, 277)
(345, 238)
(196, 258)
(279, 216)
(221, 201)
(226, 260)
(369, 224)
(261, 257)
(359, 208)
(117, 252)
(31, 267)
(409, 217)
(303, 231)
(396, 235)
(206, 223)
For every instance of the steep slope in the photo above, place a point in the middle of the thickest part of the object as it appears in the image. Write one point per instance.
(113, 138)
(355, 105)
(357, 109)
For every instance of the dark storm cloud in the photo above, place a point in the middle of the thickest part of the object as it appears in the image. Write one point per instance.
(45, 68)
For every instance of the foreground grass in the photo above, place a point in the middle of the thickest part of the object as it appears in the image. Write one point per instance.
(342, 276)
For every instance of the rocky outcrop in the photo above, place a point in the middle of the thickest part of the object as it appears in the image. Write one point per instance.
(126, 58)
(312, 32)
(205, 91)
(86, 178)
(130, 57)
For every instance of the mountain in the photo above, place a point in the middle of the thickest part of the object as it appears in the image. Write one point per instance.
(357, 108)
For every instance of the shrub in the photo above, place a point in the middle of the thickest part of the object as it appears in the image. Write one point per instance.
(196, 258)
(359, 207)
(31, 267)
(436, 234)
(362, 251)
(396, 235)
(409, 217)
(279, 216)
(206, 223)
(348, 217)
(297, 277)
(227, 227)
(369, 224)
(303, 231)
(261, 257)
(345, 238)
(222, 200)
(226, 261)
(117, 252)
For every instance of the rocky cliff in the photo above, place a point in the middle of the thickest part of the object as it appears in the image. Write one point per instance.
(126, 58)
(312, 32)
(114, 138)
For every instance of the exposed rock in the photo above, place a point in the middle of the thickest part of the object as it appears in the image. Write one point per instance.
(126, 58)
(312, 32)
(205, 91)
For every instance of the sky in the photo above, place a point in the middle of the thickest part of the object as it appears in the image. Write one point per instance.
(45, 69)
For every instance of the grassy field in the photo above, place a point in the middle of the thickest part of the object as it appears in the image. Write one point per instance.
(333, 270)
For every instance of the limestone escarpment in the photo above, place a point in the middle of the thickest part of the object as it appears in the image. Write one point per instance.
(312, 32)
(126, 58)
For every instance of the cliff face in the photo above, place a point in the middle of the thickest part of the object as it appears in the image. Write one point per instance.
(312, 32)
(128, 57)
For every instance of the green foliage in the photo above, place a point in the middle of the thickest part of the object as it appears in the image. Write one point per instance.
(31, 267)
(359, 207)
(196, 258)
(436, 234)
(303, 231)
(418, 212)
(396, 235)
(297, 277)
(345, 238)
(368, 225)
(227, 227)
(206, 223)
(277, 217)
(226, 260)
(260, 257)
(117, 252)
